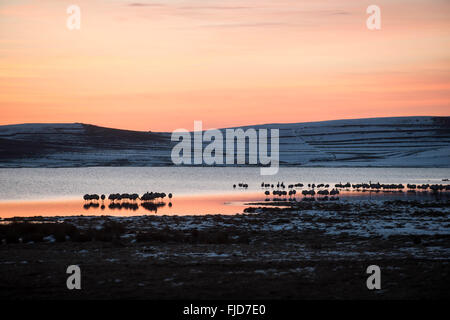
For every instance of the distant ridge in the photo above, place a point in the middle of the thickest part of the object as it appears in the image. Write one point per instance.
(385, 142)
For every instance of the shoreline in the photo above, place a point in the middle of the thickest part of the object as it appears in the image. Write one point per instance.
(310, 251)
(217, 203)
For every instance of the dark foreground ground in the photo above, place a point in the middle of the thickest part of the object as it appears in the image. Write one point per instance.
(309, 251)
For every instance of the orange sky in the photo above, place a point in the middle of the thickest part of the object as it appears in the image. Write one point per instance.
(160, 65)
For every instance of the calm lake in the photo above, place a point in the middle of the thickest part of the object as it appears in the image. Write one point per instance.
(196, 190)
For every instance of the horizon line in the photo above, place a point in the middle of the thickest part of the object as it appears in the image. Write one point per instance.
(227, 127)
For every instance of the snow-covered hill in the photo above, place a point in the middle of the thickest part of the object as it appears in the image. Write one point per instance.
(78, 145)
(399, 141)
(396, 142)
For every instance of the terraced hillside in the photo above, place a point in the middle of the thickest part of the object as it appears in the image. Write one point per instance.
(405, 141)
(399, 142)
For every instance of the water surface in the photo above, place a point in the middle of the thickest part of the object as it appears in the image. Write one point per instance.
(196, 190)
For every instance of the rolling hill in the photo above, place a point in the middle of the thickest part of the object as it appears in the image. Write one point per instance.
(384, 142)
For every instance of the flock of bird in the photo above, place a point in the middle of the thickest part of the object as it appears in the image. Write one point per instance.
(148, 196)
(292, 192)
(280, 193)
(122, 201)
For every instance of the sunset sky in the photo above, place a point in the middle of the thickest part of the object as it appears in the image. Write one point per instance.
(160, 65)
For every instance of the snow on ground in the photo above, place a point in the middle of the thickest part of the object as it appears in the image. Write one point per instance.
(397, 142)
(348, 229)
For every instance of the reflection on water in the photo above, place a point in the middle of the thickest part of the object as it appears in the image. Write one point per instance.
(183, 205)
(227, 203)
(197, 190)
(133, 206)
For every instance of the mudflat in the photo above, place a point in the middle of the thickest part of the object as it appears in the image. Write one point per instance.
(308, 250)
